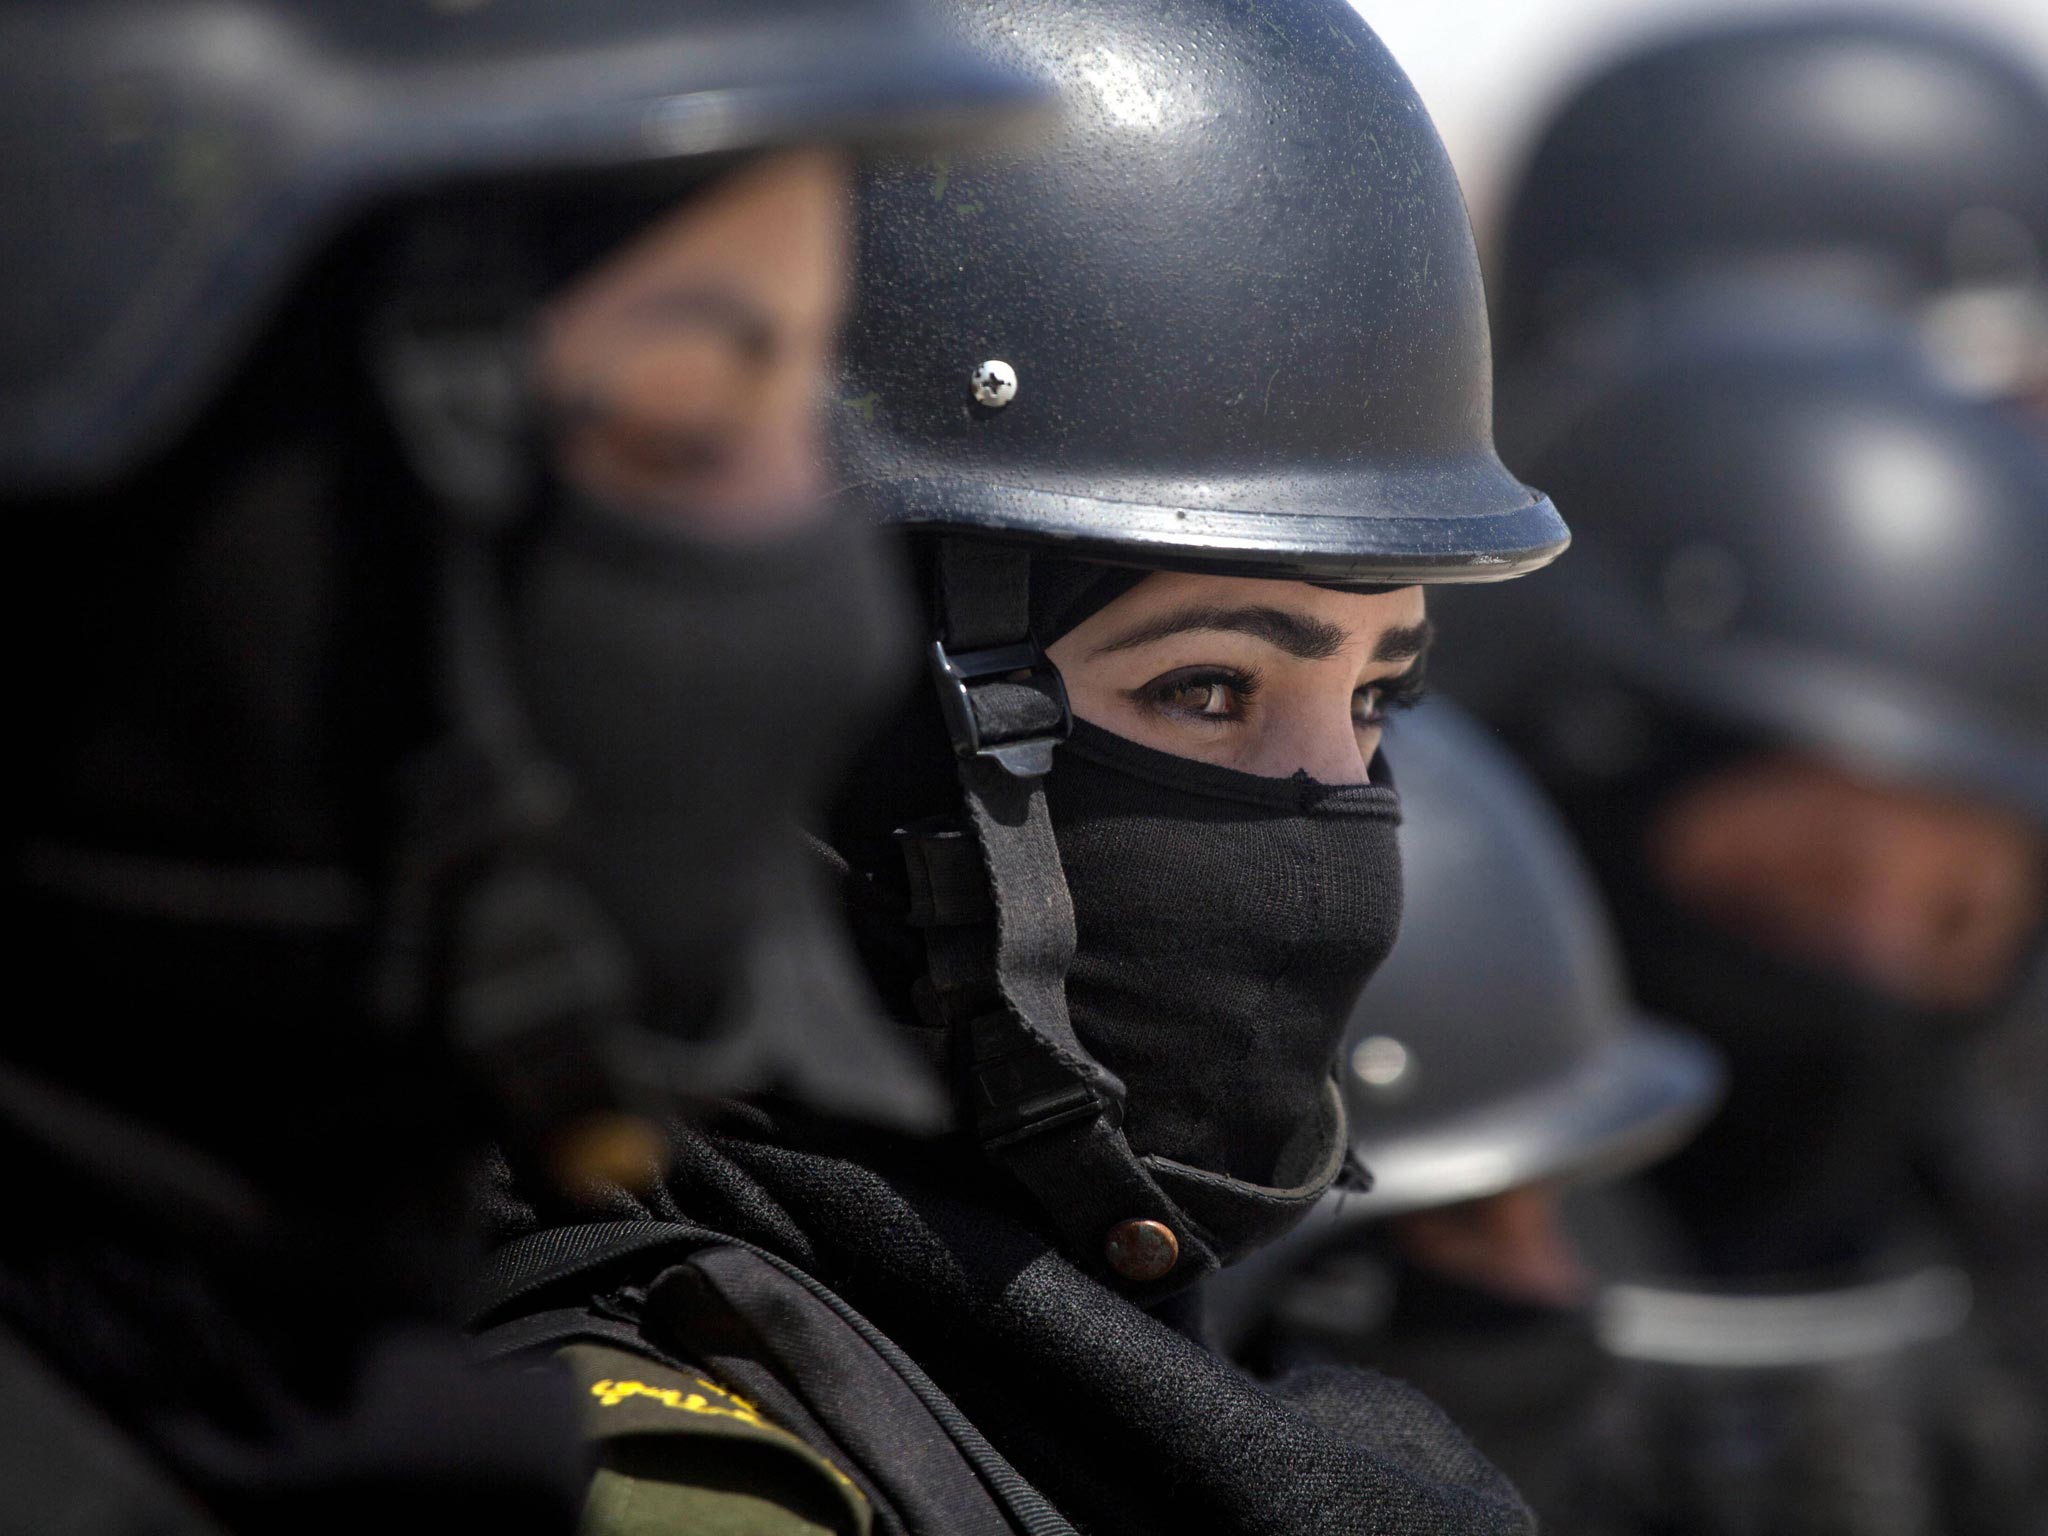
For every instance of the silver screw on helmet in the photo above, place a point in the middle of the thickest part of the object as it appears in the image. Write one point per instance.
(994, 384)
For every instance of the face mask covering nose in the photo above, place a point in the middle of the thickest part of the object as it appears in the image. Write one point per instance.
(1225, 925)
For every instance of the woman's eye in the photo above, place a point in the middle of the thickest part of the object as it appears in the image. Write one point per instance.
(1371, 704)
(1212, 699)
(1206, 695)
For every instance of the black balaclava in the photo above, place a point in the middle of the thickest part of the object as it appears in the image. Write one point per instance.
(696, 696)
(1224, 921)
(1805, 1167)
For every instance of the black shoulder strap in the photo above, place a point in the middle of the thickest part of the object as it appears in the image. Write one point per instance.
(517, 1275)
(1042, 1107)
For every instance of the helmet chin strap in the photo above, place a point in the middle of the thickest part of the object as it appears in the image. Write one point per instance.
(488, 935)
(488, 938)
(999, 936)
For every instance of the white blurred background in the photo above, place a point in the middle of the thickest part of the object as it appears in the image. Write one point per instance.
(1491, 70)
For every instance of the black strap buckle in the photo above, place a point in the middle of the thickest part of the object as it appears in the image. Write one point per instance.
(1019, 1090)
(1024, 747)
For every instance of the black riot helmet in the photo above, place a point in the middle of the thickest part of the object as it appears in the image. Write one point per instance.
(1227, 319)
(1895, 160)
(1790, 549)
(1498, 1045)
(1811, 546)
(1230, 318)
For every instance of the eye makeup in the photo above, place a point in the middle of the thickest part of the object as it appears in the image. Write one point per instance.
(1207, 694)
(1219, 694)
(1371, 704)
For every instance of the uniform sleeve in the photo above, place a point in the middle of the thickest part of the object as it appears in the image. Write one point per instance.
(678, 1453)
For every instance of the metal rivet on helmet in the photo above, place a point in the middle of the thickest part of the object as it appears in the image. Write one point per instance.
(1141, 1251)
(1383, 1064)
(994, 384)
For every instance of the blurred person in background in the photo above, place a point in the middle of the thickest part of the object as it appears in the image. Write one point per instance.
(410, 417)
(1872, 184)
(1178, 413)
(1792, 696)
(1494, 1066)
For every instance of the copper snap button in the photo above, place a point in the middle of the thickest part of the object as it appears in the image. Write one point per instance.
(1141, 1250)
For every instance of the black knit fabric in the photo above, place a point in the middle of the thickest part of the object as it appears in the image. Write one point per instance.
(1226, 924)
(1126, 1424)
(631, 641)
(1066, 593)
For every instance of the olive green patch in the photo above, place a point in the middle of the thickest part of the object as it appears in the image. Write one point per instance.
(623, 1505)
(680, 1452)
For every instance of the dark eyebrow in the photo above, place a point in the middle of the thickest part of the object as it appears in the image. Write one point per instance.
(1297, 634)
(1404, 644)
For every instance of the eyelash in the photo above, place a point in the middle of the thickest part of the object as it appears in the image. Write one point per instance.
(1404, 691)
(1394, 693)
(1161, 692)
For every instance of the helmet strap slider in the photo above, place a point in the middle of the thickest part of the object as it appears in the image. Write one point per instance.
(1041, 1106)
(1007, 703)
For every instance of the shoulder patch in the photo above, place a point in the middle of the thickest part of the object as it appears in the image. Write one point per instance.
(696, 1396)
(630, 1401)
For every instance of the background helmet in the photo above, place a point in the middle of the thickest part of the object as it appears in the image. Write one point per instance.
(1498, 1045)
(171, 166)
(1228, 317)
(1893, 159)
(1812, 546)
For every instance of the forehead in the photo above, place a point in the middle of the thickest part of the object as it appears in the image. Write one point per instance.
(1362, 613)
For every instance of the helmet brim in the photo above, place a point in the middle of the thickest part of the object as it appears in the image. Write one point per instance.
(1416, 524)
(128, 348)
(1873, 721)
(1636, 1098)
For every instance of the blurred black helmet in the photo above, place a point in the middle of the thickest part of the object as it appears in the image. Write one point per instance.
(1898, 160)
(1498, 1045)
(1814, 546)
(171, 165)
(1229, 318)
